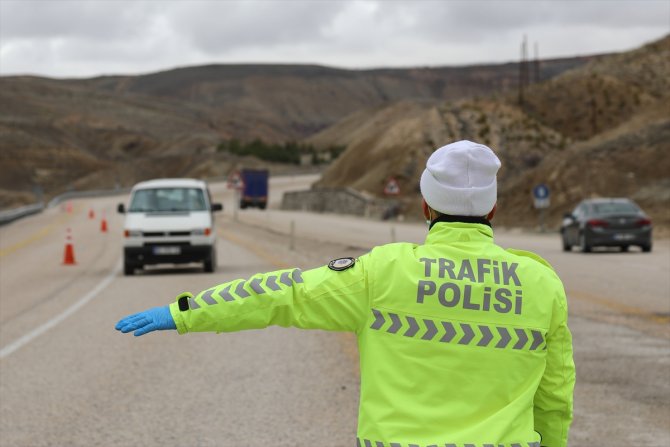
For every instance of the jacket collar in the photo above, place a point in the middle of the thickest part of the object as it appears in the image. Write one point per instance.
(464, 219)
(447, 231)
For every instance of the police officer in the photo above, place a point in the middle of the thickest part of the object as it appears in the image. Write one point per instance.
(462, 343)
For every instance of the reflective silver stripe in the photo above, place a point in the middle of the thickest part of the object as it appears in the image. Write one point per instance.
(379, 320)
(192, 304)
(395, 327)
(523, 338)
(516, 445)
(225, 293)
(469, 334)
(431, 330)
(368, 443)
(358, 442)
(284, 279)
(470, 445)
(487, 336)
(255, 285)
(533, 444)
(504, 337)
(450, 332)
(489, 445)
(239, 290)
(450, 445)
(538, 339)
(207, 297)
(379, 444)
(413, 327)
(271, 283)
(481, 335)
(395, 444)
(297, 276)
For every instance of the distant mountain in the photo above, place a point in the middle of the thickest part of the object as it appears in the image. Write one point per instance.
(96, 133)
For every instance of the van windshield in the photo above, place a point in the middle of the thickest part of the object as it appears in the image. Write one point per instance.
(168, 200)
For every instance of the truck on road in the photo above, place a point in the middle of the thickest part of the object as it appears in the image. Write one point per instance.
(254, 191)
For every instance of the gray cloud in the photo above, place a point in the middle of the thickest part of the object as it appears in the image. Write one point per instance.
(88, 37)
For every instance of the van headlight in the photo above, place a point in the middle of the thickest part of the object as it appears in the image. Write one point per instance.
(202, 232)
(133, 233)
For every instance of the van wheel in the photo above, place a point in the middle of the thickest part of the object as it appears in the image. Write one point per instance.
(210, 263)
(646, 248)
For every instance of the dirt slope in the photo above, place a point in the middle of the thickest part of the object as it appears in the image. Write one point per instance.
(598, 130)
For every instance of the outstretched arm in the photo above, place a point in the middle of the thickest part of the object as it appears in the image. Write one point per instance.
(321, 298)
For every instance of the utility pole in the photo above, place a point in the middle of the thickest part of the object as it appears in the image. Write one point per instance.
(523, 70)
(536, 64)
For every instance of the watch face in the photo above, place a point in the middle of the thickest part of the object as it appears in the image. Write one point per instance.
(341, 264)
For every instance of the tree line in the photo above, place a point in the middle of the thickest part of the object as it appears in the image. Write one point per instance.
(287, 152)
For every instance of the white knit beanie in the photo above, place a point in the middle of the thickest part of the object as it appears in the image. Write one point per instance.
(460, 179)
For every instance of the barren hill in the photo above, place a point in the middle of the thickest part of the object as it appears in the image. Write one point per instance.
(100, 132)
(550, 138)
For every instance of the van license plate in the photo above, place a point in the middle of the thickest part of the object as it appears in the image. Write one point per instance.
(167, 250)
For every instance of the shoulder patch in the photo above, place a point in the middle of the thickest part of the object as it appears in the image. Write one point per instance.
(341, 264)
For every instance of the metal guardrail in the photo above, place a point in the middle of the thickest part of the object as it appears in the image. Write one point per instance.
(10, 215)
(13, 214)
(82, 194)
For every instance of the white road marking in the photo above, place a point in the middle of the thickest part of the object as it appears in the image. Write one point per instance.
(30, 336)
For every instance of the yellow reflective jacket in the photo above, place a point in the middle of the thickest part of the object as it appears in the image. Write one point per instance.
(462, 343)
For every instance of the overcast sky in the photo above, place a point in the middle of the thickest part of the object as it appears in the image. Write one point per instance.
(82, 38)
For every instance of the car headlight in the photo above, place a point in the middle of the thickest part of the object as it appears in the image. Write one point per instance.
(202, 232)
(133, 233)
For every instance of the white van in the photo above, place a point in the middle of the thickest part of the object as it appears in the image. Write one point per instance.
(169, 221)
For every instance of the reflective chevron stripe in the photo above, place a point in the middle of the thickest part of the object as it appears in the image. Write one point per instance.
(207, 297)
(233, 291)
(225, 293)
(255, 285)
(360, 442)
(466, 334)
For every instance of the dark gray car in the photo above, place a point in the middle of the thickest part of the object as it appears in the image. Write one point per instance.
(606, 223)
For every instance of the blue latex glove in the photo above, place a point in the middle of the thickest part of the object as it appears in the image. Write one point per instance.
(156, 319)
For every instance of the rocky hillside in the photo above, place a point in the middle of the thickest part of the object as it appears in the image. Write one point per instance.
(593, 126)
(598, 130)
(95, 133)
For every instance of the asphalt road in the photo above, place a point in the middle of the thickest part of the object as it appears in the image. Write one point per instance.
(67, 378)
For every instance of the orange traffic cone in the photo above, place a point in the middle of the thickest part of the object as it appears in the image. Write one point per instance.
(103, 224)
(68, 256)
(91, 214)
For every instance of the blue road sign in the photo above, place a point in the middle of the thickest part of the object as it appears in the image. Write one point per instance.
(541, 196)
(541, 191)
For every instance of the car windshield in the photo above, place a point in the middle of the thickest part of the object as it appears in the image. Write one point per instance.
(614, 208)
(167, 200)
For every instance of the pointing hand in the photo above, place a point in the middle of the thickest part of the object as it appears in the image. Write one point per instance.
(156, 319)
